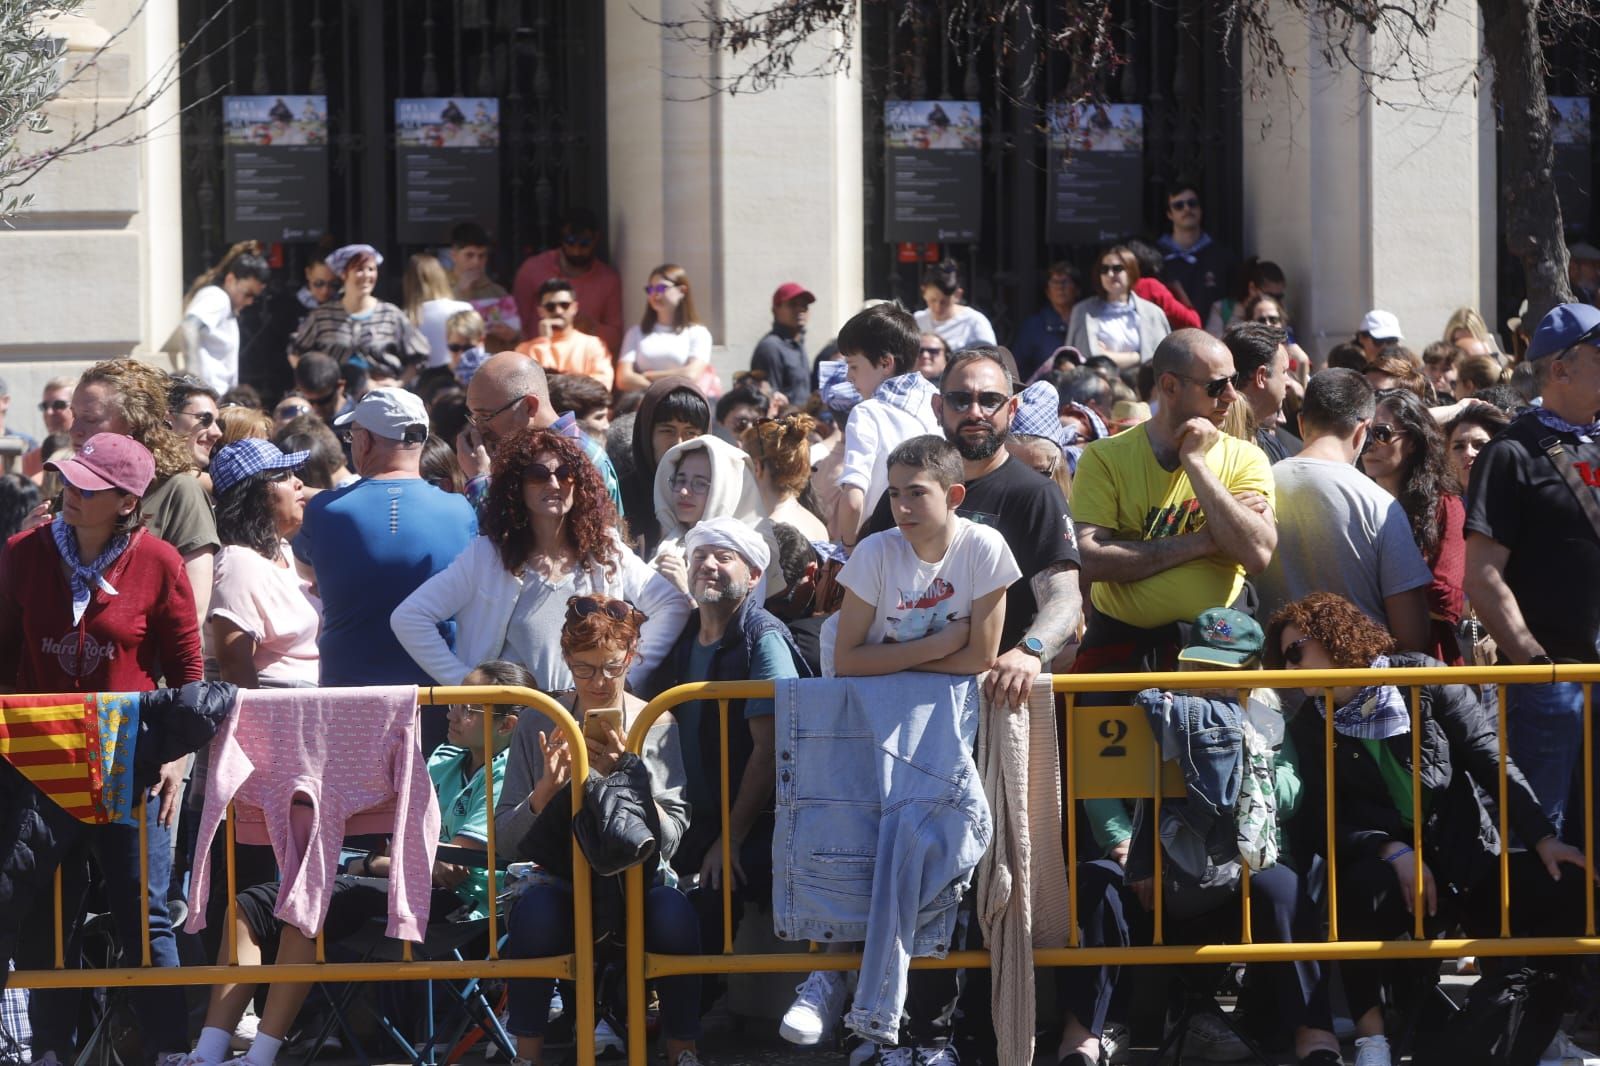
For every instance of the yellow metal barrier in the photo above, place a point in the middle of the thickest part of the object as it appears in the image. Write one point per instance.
(577, 967)
(1111, 753)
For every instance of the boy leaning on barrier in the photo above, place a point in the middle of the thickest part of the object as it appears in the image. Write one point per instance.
(927, 595)
(458, 769)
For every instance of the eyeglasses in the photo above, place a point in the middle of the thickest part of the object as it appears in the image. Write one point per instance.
(1293, 655)
(741, 423)
(1384, 433)
(586, 671)
(961, 401)
(539, 474)
(1113, 268)
(659, 289)
(204, 419)
(696, 485)
(459, 348)
(557, 305)
(933, 351)
(574, 240)
(1185, 204)
(479, 420)
(467, 710)
(1215, 387)
(54, 405)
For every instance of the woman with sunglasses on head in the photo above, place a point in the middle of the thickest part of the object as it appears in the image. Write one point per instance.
(669, 340)
(94, 602)
(1115, 322)
(358, 322)
(599, 638)
(1405, 455)
(549, 532)
(1374, 802)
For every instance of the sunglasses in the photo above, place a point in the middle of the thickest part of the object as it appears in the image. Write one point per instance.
(557, 305)
(321, 284)
(459, 348)
(54, 405)
(659, 289)
(1113, 268)
(697, 485)
(572, 240)
(1185, 204)
(1384, 433)
(204, 419)
(280, 475)
(934, 351)
(962, 401)
(1293, 655)
(538, 474)
(619, 610)
(1215, 387)
(323, 401)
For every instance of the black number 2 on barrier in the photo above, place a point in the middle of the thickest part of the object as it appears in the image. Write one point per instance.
(1114, 730)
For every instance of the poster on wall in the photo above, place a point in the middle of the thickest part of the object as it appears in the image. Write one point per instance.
(275, 162)
(1571, 129)
(934, 170)
(448, 153)
(1096, 172)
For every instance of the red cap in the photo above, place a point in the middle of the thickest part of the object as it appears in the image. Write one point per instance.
(108, 461)
(791, 290)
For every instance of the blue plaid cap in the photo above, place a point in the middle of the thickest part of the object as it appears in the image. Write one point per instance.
(837, 392)
(1038, 412)
(233, 463)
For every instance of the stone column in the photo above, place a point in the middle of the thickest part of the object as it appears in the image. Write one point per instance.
(1367, 204)
(745, 191)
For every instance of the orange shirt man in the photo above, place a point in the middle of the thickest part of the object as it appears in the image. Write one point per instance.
(561, 347)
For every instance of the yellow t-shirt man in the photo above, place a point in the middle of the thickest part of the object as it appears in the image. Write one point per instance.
(1121, 487)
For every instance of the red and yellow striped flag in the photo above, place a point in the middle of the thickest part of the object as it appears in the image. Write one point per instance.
(76, 748)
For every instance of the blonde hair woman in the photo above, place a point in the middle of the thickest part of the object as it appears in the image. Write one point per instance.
(429, 302)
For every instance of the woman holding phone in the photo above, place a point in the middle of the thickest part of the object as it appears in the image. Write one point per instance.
(599, 642)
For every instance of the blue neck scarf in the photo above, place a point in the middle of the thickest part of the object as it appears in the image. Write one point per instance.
(85, 579)
(1376, 713)
(1550, 420)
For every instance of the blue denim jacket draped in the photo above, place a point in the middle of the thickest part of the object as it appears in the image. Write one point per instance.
(881, 821)
(1205, 737)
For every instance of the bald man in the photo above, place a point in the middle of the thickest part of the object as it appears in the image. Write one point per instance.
(508, 394)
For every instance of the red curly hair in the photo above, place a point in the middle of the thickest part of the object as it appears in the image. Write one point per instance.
(1351, 638)
(580, 633)
(590, 522)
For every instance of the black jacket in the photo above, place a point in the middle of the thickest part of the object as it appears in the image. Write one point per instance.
(36, 836)
(1459, 747)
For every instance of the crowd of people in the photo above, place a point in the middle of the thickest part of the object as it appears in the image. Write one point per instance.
(492, 486)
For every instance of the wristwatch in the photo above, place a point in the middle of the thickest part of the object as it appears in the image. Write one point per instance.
(1033, 646)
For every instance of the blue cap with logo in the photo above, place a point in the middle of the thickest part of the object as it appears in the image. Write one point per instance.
(233, 463)
(1564, 326)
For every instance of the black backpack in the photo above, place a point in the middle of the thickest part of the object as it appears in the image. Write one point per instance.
(1508, 1020)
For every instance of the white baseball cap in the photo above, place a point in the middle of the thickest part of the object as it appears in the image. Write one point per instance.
(394, 414)
(1381, 326)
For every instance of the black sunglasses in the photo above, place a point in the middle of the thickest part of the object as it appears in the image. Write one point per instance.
(961, 401)
(573, 240)
(1113, 268)
(1184, 204)
(54, 405)
(206, 419)
(459, 348)
(323, 401)
(538, 473)
(584, 606)
(1215, 387)
(557, 305)
(936, 350)
(1384, 433)
(1293, 655)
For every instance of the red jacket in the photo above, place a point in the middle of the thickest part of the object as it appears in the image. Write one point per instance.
(125, 643)
(1179, 314)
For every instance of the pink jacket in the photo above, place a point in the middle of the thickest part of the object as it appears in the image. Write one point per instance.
(304, 768)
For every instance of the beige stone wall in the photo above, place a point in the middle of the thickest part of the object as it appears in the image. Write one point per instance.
(93, 268)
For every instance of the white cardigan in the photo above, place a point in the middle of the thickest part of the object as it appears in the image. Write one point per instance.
(479, 593)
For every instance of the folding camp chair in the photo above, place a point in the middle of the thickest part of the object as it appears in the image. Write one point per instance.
(442, 940)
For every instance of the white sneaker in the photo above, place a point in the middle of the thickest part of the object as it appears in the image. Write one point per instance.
(1210, 1039)
(892, 1056)
(244, 1034)
(816, 1008)
(1562, 1050)
(938, 1056)
(1373, 1051)
(606, 1041)
(1114, 1043)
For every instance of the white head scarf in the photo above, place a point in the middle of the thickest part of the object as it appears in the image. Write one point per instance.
(733, 494)
(725, 532)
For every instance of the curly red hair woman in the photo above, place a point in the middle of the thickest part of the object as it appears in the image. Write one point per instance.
(549, 532)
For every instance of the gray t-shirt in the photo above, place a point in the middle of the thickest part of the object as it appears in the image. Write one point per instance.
(1339, 532)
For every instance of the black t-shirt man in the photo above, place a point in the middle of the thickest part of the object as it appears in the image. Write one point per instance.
(1030, 512)
(1520, 500)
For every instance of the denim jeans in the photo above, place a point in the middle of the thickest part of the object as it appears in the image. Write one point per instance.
(540, 926)
(1544, 729)
(162, 1012)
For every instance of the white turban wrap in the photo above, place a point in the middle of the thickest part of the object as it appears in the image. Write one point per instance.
(743, 538)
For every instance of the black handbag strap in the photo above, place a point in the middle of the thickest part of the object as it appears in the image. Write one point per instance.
(1559, 458)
